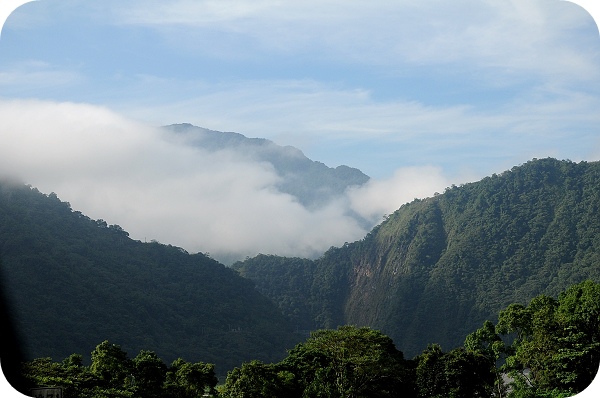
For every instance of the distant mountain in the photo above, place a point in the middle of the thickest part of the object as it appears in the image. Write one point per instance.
(312, 183)
(73, 282)
(437, 268)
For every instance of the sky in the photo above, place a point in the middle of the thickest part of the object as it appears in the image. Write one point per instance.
(419, 95)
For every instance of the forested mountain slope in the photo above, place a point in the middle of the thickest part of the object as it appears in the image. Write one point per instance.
(74, 282)
(437, 268)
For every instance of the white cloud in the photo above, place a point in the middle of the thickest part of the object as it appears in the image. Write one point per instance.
(307, 107)
(379, 197)
(189, 12)
(510, 36)
(25, 77)
(133, 175)
(156, 187)
(494, 44)
(99, 160)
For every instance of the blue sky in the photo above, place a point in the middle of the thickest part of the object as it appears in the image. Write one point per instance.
(417, 94)
(473, 84)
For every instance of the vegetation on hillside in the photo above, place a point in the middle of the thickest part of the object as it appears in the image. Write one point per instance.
(438, 267)
(113, 374)
(72, 281)
(433, 272)
(549, 348)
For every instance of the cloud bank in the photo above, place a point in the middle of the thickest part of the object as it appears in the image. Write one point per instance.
(401, 90)
(157, 187)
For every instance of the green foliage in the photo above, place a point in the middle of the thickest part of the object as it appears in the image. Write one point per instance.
(433, 271)
(110, 364)
(347, 362)
(557, 342)
(72, 281)
(456, 374)
(437, 268)
(535, 346)
(113, 374)
(255, 379)
(288, 282)
(489, 347)
(547, 349)
(149, 374)
(189, 380)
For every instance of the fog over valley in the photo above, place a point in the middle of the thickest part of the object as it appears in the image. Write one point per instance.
(157, 185)
(416, 95)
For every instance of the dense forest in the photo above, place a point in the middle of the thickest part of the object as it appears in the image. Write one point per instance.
(72, 282)
(438, 267)
(434, 271)
(549, 348)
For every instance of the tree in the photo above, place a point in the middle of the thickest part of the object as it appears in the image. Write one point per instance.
(44, 372)
(112, 375)
(578, 316)
(456, 374)
(189, 380)
(347, 362)
(110, 364)
(429, 375)
(486, 342)
(149, 373)
(79, 376)
(556, 346)
(256, 380)
(350, 362)
(71, 375)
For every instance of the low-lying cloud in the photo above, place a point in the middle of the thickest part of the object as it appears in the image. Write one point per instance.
(381, 197)
(159, 188)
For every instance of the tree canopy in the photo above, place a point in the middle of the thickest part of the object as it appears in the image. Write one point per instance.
(113, 374)
(71, 281)
(437, 268)
(549, 348)
(346, 362)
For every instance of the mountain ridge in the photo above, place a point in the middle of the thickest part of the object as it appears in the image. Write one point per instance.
(431, 272)
(74, 282)
(438, 267)
(311, 182)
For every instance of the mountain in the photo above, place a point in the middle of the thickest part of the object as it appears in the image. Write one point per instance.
(437, 268)
(432, 272)
(312, 183)
(72, 282)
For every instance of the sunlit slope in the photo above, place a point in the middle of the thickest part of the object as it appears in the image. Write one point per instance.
(436, 268)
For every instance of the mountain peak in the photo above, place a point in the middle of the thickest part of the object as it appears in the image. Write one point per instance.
(311, 182)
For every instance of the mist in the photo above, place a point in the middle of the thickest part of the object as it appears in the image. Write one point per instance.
(158, 187)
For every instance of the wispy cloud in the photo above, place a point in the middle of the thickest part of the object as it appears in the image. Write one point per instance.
(21, 78)
(380, 197)
(507, 69)
(194, 13)
(507, 35)
(311, 115)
